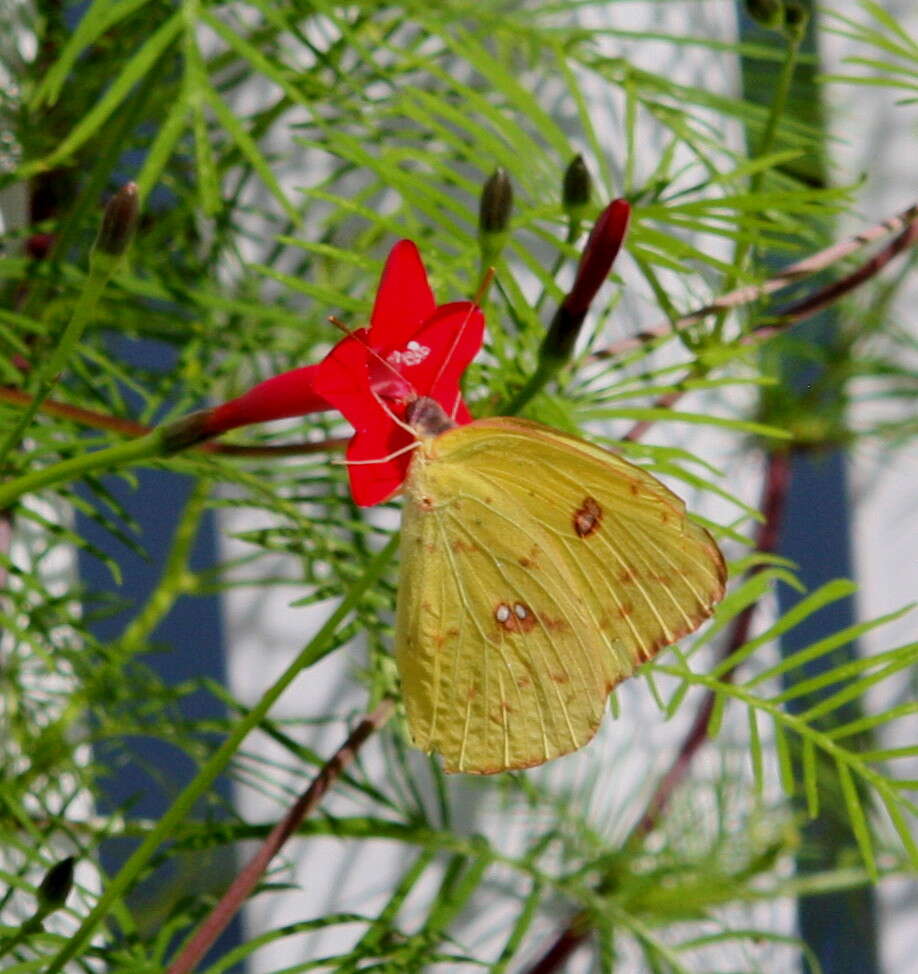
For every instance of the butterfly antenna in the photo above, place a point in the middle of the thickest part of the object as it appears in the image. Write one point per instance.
(341, 326)
(385, 459)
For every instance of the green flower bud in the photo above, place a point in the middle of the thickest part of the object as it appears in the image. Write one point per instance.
(494, 218)
(496, 203)
(55, 887)
(796, 20)
(119, 222)
(766, 13)
(575, 193)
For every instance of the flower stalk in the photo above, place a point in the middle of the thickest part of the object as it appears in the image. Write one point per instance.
(494, 210)
(107, 256)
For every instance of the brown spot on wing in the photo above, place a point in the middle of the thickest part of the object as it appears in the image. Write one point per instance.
(530, 560)
(587, 517)
(554, 625)
(514, 617)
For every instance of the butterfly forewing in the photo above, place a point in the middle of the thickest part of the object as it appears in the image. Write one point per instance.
(538, 571)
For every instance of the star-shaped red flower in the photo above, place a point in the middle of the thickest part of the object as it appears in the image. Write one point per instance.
(412, 348)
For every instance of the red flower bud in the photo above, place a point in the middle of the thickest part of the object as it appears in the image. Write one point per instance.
(598, 255)
(595, 263)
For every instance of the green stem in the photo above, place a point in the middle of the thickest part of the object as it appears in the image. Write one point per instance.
(133, 451)
(174, 579)
(99, 275)
(548, 366)
(321, 644)
(29, 927)
(172, 583)
(573, 232)
(545, 371)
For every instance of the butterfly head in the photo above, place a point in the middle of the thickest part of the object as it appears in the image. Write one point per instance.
(428, 418)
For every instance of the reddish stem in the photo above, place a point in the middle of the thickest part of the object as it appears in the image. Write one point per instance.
(904, 223)
(128, 427)
(797, 312)
(242, 886)
(774, 495)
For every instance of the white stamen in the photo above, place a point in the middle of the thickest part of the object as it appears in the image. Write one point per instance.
(414, 354)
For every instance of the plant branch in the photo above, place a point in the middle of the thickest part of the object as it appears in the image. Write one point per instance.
(782, 89)
(105, 258)
(145, 447)
(772, 506)
(904, 223)
(129, 427)
(320, 644)
(774, 495)
(804, 308)
(232, 900)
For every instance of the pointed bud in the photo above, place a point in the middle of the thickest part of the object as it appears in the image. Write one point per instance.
(496, 203)
(766, 13)
(600, 251)
(575, 194)
(119, 222)
(796, 21)
(55, 887)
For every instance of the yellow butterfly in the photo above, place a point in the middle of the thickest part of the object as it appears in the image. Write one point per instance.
(538, 571)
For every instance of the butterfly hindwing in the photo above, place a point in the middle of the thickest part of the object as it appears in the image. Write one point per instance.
(538, 571)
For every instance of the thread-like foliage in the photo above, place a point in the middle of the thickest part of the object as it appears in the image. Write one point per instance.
(279, 149)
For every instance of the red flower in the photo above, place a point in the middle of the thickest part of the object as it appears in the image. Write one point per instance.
(412, 348)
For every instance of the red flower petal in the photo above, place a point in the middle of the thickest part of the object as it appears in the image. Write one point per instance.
(372, 483)
(411, 349)
(343, 380)
(447, 342)
(404, 299)
(289, 394)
